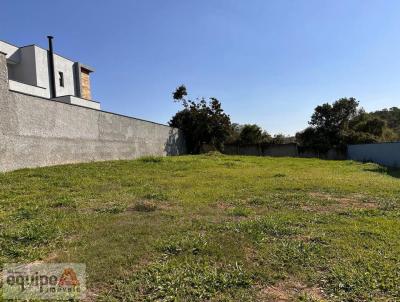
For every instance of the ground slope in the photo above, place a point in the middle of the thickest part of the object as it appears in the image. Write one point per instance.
(219, 228)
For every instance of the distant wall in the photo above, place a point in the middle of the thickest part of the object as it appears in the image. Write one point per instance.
(387, 154)
(331, 154)
(283, 150)
(289, 150)
(40, 132)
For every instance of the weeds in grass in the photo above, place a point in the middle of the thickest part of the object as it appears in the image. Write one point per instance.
(257, 201)
(111, 209)
(25, 214)
(188, 244)
(185, 279)
(258, 229)
(64, 202)
(144, 206)
(155, 196)
(240, 212)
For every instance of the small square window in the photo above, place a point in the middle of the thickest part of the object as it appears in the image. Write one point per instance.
(61, 78)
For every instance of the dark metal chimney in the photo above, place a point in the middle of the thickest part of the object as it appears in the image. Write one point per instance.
(51, 68)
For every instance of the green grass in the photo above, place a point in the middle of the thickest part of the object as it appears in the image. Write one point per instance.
(211, 227)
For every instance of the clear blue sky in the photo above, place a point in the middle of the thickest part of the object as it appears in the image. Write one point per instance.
(269, 62)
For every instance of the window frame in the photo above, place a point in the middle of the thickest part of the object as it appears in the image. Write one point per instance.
(61, 80)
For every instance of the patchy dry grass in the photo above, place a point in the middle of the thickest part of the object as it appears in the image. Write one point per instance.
(211, 227)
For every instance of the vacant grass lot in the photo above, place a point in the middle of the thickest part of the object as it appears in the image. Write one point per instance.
(211, 227)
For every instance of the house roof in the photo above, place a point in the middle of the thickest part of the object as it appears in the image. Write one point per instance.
(90, 69)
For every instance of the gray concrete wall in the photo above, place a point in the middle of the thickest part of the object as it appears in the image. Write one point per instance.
(387, 154)
(39, 132)
(331, 154)
(288, 150)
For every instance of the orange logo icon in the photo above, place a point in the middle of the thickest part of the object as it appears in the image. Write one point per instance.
(68, 278)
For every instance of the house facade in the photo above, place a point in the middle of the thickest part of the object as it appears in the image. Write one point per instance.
(39, 72)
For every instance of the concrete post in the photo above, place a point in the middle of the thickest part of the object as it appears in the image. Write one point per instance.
(3, 74)
(3, 107)
(8, 118)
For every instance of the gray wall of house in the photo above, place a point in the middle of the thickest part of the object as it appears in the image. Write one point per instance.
(60, 65)
(387, 154)
(10, 51)
(32, 68)
(38, 132)
(25, 71)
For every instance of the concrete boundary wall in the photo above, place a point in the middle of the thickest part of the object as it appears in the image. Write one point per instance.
(39, 132)
(386, 154)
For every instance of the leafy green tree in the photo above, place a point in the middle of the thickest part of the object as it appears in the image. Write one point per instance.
(234, 135)
(279, 139)
(313, 138)
(248, 134)
(392, 118)
(202, 122)
(251, 134)
(328, 125)
(344, 123)
(368, 128)
(336, 116)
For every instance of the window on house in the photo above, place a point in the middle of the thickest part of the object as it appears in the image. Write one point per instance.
(61, 78)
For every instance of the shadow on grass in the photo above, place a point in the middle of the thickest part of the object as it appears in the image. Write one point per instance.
(394, 172)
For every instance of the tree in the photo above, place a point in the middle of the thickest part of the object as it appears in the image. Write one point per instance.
(251, 134)
(368, 128)
(328, 124)
(392, 118)
(280, 139)
(344, 123)
(202, 122)
(335, 116)
(234, 135)
(248, 134)
(314, 139)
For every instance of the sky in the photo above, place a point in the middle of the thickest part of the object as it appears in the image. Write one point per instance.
(268, 62)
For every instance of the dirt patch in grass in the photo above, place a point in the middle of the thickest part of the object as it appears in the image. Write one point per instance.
(290, 290)
(143, 206)
(251, 254)
(148, 205)
(339, 204)
(224, 206)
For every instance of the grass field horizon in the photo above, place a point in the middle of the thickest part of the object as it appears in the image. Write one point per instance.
(211, 227)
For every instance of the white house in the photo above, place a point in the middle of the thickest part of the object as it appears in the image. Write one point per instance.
(40, 72)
